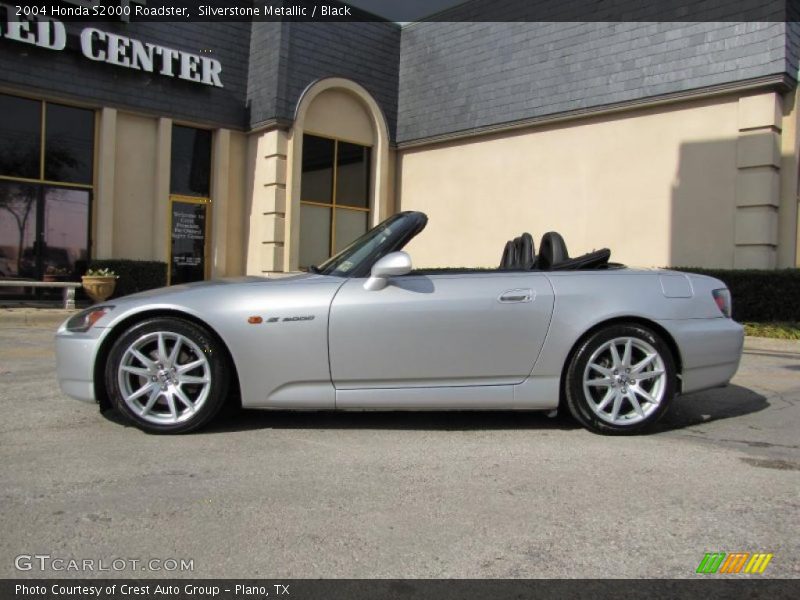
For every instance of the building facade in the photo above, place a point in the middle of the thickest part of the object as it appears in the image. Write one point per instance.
(260, 148)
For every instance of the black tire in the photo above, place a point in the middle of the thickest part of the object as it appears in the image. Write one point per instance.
(586, 402)
(206, 391)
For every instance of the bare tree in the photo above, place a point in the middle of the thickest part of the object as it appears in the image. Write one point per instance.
(19, 199)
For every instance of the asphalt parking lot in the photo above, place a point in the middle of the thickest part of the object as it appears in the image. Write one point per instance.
(467, 495)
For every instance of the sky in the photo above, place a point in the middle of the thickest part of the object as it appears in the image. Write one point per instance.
(403, 11)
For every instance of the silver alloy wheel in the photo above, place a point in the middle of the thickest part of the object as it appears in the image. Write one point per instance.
(164, 377)
(624, 381)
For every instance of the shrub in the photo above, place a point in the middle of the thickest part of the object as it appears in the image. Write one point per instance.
(759, 296)
(134, 275)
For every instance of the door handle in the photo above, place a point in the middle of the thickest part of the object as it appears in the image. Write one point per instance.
(516, 296)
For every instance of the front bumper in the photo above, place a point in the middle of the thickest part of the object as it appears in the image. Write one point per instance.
(710, 350)
(75, 358)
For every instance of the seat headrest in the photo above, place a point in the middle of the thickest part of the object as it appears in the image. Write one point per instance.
(552, 250)
(519, 254)
(507, 260)
(527, 253)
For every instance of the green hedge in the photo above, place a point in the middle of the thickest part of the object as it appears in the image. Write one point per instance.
(134, 275)
(759, 296)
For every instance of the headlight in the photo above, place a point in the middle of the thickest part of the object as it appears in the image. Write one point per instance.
(84, 320)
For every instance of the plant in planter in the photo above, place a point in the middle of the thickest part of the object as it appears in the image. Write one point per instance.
(52, 273)
(99, 283)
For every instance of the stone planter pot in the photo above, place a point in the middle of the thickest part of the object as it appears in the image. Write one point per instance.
(97, 288)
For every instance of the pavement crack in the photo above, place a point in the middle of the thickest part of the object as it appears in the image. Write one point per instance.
(771, 463)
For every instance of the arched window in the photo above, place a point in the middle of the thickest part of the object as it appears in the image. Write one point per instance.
(334, 196)
(339, 155)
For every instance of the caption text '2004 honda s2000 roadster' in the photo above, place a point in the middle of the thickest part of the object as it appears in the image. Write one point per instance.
(363, 331)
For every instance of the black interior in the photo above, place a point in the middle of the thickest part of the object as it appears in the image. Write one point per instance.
(519, 255)
(552, 250)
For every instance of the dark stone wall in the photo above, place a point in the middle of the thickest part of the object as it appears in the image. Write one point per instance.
(68, 73)
(461, 76)
(429, 78)
(368, 53)
(267, 71)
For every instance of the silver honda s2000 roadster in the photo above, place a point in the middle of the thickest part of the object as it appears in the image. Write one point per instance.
(363, 331)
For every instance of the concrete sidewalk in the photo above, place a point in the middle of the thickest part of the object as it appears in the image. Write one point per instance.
(496, 494)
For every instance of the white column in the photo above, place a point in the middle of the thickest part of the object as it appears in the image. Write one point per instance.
(267, 202)
(758, 181)
(788, 213)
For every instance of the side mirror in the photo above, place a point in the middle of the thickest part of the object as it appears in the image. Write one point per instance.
(391, 265)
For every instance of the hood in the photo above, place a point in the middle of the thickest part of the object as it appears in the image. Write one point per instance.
(179, 289)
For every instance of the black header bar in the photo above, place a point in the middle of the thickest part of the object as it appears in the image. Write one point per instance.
(469, 11)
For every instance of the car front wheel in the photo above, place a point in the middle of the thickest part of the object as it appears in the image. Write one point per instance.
(167, 375)
(620, 380)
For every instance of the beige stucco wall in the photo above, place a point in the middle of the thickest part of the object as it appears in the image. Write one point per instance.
(657, 186)
(134, 181)
(683, 184)
(338, 114)
(789, 215)
(138, 147)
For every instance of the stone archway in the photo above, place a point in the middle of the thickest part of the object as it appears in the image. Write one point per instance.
(339, 108)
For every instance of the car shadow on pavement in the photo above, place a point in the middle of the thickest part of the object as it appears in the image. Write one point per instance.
(244, 420)
(711, 405)
(686, 411)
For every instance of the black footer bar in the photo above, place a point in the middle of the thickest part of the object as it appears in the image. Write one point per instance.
(708, 588)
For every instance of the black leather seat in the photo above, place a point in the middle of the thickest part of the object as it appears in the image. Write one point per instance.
(508, 258)
(553, 256)
(592, 260)
(519, 254)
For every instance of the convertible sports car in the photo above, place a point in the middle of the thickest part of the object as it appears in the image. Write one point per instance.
(363, 331)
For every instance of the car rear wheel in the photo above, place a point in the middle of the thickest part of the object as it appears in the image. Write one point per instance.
(167, 375)
(621, 380)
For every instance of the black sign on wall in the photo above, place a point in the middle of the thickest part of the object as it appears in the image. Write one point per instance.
(188, 248)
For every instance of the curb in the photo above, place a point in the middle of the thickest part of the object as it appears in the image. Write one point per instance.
(771, 345)
(43, 318)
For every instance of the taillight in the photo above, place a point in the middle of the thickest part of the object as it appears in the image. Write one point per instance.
(722, 297)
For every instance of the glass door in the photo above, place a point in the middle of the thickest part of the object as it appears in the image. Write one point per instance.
(188, 229)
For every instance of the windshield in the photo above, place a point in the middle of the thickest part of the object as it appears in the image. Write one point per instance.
(357, 259)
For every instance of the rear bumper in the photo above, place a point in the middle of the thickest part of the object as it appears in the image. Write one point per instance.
(75, 357)
(710, 350)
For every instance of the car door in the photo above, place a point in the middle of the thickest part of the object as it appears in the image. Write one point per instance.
(476, 329)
